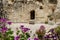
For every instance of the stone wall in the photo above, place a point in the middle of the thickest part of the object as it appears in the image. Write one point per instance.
(18, 11)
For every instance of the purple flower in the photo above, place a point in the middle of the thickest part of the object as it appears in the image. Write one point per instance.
(46, 36)
(50, 36)
(55, 38)
(51, 30)
(42, 27)
(3, 19)
(4, 29)
(25, 29)
(29, 38)
(54, 35)
(21, 26)
(16, 37)
(9, 23)
(36, 39)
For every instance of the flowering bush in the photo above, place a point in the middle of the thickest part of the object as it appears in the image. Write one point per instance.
(51, 35)
(23, 33)
(57, 30)
(7, 33)
(41, 32)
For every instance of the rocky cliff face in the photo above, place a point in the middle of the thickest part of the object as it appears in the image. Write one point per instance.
(19, 10)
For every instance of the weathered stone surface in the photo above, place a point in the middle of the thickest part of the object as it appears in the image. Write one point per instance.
(20, 12)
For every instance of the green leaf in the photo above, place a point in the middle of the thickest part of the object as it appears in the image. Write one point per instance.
(11, 37)
(22, 39)
(27, 35)
(22, 36)
(9, 32)
(17, 32)
(57, 30)
(7, 38)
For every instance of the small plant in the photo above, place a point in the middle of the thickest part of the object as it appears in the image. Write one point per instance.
(22, 33)
(57, 29)
(46, 22)
(41, 32)
(51, 35)
(7, 33)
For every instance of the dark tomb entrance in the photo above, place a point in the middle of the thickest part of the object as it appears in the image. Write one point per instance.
(32, 14)
(32, 17)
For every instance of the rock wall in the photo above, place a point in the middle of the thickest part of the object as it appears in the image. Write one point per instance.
(19, 11)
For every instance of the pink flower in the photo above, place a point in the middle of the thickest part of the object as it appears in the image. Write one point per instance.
(4, 29)
(3, 19)
(24, 29)
(36, 39)
(51, 30)
(46, 36)
(30, 38)
(42, 27)
(9, 23)
(16, 37)
(21, 27)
